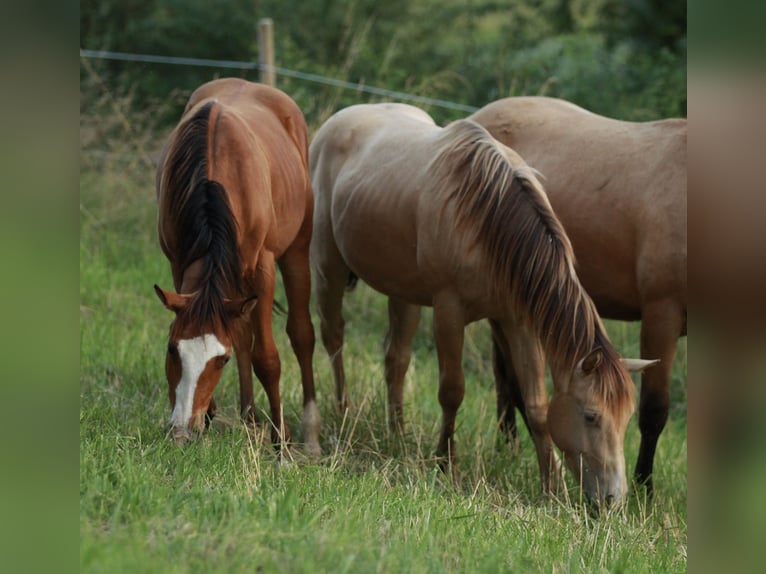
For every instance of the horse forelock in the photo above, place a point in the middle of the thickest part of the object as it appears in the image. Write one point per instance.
(197, 212)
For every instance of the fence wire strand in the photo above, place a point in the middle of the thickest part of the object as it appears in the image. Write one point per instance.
(316, 78)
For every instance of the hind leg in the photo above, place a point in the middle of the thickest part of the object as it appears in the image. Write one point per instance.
(506, 385)
(661, 325)
(330, 275)
(403, 320)
(297, 279)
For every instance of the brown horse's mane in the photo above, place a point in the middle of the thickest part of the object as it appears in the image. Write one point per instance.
(199, 212)
(530, 256)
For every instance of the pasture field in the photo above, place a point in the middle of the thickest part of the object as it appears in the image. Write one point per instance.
(374, 502)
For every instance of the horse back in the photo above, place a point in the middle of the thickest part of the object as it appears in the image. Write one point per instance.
(257, 149)
(252, 98)
(619, 188)
(383, 202)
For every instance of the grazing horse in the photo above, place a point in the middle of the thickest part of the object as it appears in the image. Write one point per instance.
(619, 189)
(235, 200)
(452, 219)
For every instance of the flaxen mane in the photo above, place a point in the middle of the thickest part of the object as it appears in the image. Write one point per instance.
(199, 212)
(506, 209)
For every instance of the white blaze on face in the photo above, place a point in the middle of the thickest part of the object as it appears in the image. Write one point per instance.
(194, 355)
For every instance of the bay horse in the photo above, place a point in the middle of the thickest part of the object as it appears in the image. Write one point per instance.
(619, 189)
(452, 219)
(235, 200)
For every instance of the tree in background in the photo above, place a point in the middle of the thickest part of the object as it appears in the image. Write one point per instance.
(621, 58)
(215, 29)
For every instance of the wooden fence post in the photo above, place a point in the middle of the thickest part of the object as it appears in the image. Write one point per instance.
(266, 51)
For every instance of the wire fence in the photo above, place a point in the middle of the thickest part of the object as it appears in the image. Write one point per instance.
(316, 78)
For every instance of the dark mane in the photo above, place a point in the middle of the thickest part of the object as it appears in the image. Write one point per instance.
(199, 212)
(530, 256)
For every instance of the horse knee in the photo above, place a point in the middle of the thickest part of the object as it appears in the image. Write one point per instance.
(267, 367)
(537, 419)
(397, 361)
(653, 417)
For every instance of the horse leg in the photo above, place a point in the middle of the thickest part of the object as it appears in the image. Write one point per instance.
(331, 277)
(403, 320)
(661, 325)
(297, 279)
(449, 326)
(265, 356)
(243, 343)
(210, 414)
(506, 386)
(528, 377)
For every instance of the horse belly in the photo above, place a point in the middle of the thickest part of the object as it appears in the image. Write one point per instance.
(380, 245)
(607, 270)
(387, 266)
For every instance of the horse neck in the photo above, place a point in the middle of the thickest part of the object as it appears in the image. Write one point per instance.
(561, 375)
(568, 341)
(522, 339)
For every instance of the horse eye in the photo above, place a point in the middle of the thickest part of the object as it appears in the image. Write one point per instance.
(172, 350)
(222, 360)
(592, 418)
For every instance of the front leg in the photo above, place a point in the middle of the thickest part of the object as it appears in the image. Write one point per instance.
(449, 326)
(210, 414)
(403, 320)
(661, 325)
(243, 345)
(529, 378)
(265, 356)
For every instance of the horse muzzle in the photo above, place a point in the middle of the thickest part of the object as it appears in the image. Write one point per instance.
(609, 493)
(178, 434)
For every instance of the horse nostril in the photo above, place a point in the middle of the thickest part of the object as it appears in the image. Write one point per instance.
(609, 499)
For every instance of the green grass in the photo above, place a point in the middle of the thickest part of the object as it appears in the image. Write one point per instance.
(374, 502)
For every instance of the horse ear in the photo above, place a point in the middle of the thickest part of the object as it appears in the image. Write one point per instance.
(240, 307)
(173, 301)
(638, 365)
(589, 363)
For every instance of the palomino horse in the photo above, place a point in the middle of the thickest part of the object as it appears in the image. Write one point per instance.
(450, 218)
(234, 200)
(619, 189)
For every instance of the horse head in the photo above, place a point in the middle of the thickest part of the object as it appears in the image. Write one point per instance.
(587, 421)
(196, 355)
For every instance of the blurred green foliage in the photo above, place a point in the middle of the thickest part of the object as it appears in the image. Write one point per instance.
(620, 58)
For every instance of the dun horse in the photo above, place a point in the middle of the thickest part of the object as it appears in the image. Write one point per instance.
(449, 218)
(235, 200)
(619, 189)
